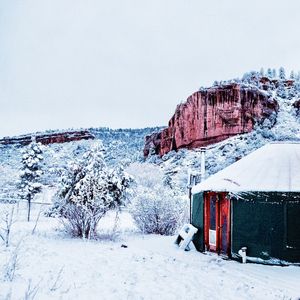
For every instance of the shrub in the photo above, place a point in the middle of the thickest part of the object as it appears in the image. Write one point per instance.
(155, 207)
(158, 211)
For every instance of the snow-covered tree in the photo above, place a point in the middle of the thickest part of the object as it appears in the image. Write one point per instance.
(297, 85)
(265, 128)
(292, 75)
(291, 93)
(269, 73)
(262, 71)
(155, 207)
(274, 73)
(281, 90)
(282, 73)
(31, 172)
(89, 190)
(246, 77)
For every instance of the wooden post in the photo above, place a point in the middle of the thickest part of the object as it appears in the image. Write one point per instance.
(29, 208)
(190, 197)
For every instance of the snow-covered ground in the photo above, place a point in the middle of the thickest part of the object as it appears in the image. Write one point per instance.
(51, 265)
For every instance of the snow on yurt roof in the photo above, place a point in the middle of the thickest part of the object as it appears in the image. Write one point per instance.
(274, 167)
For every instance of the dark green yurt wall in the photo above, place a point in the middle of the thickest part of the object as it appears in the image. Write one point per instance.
(198, 220)
(268, 224)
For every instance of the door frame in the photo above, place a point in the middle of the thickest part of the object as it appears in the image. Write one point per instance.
(220, 197)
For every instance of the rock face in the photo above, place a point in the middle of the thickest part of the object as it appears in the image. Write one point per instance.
(296, 104)
(49, 138)
(212, 115)
(152, 143)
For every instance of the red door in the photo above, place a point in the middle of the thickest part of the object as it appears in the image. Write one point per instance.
(217, 223)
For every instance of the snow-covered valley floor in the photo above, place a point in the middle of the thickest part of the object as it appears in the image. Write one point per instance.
(51, 265)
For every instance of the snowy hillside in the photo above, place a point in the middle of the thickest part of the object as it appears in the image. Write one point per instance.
(123, 146)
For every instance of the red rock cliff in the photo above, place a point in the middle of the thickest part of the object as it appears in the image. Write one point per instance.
(210, 116)
(49, 138)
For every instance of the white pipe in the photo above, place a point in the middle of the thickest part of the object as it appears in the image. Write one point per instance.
(189, 181)
(243, 254)
(203, 150)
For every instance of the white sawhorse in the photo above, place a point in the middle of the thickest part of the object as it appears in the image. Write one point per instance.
(185, 236)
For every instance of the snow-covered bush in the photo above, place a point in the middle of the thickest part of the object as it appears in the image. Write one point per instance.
(31, 172)
(158, 211)
(89, 190)
(155, 207)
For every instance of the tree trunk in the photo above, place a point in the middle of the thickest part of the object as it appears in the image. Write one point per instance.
(29, 208)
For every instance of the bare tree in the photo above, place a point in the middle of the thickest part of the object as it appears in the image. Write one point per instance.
(12, 265)
(31, 290)
(7, 220)
(37, 220)
(57, 282)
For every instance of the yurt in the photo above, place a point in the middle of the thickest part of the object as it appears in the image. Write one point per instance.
(252, 207)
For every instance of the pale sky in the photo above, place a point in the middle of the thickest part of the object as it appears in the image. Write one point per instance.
(128, 63)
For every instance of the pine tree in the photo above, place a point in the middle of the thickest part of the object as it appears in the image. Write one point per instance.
(262, 72)
(292, 75)
(274, 73)
(246, 77)
(297, 85)
(281, 91)
(291, 92)
(89, 190)
(269, 73)
(282, 73)
(31, 172)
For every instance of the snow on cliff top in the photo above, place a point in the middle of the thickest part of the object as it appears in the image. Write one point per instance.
(273, 167)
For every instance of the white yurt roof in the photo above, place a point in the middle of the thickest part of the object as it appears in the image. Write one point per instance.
(274, 167)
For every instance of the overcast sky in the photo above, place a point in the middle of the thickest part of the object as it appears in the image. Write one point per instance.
(128, 63)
